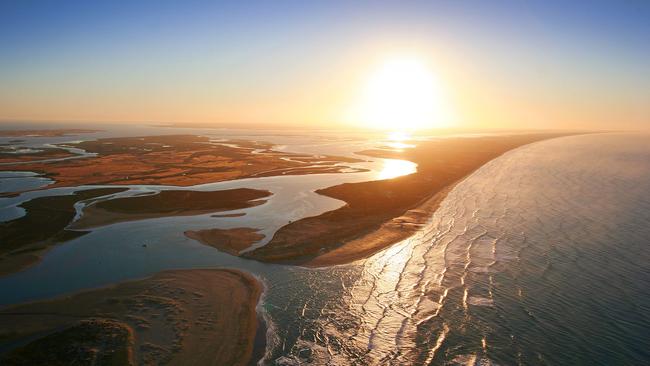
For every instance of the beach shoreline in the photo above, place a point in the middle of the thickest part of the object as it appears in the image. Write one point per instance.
(388, 234)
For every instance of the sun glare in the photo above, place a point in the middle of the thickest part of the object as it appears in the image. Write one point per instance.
(395, 168)
(401, 94)
(397, 140)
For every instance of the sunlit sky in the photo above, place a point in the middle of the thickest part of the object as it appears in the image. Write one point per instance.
(482, 64)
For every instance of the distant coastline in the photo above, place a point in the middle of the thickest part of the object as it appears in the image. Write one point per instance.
(46, 132)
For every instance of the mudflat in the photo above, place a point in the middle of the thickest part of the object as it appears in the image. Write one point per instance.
(181, 160)
(182, 317)
(380, 213)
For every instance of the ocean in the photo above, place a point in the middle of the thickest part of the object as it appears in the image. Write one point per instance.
(541, 257)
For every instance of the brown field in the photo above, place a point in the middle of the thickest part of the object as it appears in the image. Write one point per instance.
(175, 317)
(181, 160)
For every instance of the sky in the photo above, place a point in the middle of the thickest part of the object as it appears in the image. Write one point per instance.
(496, 64)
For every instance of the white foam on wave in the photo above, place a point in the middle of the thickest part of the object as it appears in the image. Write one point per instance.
(480, 301)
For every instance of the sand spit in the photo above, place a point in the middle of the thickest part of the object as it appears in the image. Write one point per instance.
(231, 241)
(380, 213)
(182, 317)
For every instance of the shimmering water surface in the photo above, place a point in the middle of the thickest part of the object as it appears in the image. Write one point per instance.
(539, 257)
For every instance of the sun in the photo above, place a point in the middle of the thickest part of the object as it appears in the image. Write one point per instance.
(402, 93)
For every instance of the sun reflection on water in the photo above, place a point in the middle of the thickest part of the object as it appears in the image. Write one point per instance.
(394, 168)
(399, 140)
(399, 145)
(398, 136)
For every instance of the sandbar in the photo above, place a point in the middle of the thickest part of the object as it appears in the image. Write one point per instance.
(231, 241)
(167, 203)
(181, 317)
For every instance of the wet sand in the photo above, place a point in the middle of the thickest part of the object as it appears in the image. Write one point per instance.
(167, 203)
(181, 160)
(182, 317)
(231, 241)
(26, 239)
(380, 213)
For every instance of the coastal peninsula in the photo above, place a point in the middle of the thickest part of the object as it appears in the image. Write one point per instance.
(380, 213)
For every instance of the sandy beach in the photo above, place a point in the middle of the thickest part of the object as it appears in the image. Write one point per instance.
(182, 317)
(393, 231)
